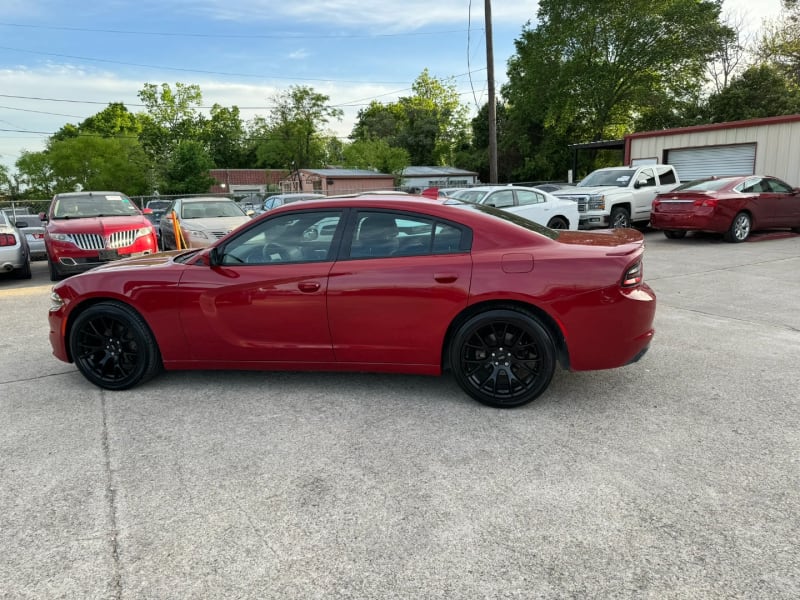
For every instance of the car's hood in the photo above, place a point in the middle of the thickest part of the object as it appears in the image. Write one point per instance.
(215, 223)
(630, 239)
(101, 225)
(148, 261)
(584, 191)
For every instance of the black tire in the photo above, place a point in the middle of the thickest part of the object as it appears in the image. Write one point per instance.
(24, 272)
(503, 358)
(113, 347)
(740, 228)
(620, 217)
(558, 223)
(54, 273)
(675, 235)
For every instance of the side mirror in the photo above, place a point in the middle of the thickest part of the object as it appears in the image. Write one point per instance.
(20, 224)
(214, 257)
(43, 217)
(637, 185)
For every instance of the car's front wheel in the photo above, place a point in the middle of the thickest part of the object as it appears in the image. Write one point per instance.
(739, 230)
(55, 275)
(620, 217)
(113, 347)
(503, 357)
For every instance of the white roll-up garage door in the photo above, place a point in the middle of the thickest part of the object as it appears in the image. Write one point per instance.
(696, 163)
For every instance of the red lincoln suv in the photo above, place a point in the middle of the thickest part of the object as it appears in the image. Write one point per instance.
(85, 229)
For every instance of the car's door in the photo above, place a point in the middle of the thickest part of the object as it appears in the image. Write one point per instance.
(499, 198)
(391, 299)
(761, 204)
(786, 205)
(266, 299)
(645, 190)
(533, 206)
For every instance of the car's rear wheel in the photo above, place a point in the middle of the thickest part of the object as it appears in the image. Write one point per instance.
(558, 223)
(503, 357)
(113, 347)
(739, 230)
(675, 235)
(620, 217)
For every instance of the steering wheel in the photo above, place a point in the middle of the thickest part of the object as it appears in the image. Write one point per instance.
(274, 253)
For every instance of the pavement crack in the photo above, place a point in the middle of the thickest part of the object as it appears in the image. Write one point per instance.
(706, 313)
(111, 498)
(721, 269)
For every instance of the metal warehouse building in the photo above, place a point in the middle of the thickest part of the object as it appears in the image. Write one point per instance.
(769, 146)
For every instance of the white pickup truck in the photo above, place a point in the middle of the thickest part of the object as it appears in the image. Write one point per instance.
(619, 196)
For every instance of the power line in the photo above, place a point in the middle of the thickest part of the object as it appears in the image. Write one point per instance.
(243, 36)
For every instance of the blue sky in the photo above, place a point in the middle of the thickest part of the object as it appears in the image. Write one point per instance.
(62, 61)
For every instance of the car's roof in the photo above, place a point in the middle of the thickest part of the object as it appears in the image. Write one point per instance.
(207, 199)
(85, 193)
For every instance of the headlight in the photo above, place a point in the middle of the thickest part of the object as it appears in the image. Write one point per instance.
(597, 202)
(197, 234)
(144, 231)
(56, 302)
(62, 237)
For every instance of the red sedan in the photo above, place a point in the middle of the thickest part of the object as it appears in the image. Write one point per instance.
(368, 284)
(733, 206)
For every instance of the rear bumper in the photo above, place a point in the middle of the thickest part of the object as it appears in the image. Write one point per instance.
(688, 222)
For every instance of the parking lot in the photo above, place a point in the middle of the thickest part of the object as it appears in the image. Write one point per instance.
(675, 477)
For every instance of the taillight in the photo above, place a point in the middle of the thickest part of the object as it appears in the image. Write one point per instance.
(707, 202)
(8, 239)
(633, 276)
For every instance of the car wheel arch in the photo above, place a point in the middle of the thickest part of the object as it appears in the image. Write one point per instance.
(557, 335)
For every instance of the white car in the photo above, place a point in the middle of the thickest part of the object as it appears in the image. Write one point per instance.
(530, 203)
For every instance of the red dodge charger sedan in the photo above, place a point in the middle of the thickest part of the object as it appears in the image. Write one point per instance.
(733, 206)
(375, 283)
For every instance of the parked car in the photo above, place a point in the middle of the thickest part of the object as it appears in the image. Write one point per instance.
(368, 284)
(202, 220)
(732, 206)
(86, 229)
(14, 254)
(281, 199)
(154, 212)
(531, 203)
(31, 227)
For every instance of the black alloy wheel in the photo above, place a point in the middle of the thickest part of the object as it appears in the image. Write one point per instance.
(113, 347)
(503, 357)
(558, 223)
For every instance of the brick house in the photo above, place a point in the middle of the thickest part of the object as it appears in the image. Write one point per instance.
(337, 181)
(247, 181)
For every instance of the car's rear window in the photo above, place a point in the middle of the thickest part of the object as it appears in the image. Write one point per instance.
(704, 185)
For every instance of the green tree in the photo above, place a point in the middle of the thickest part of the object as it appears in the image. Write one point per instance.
(224, 137)
(431, 124)
(780, 42)
(588, 69)
(99, 163)
(186, 172)
(376, 154)
(761, 91)
(36, 174)
(5, 181)
(292, 136)
(170, 117)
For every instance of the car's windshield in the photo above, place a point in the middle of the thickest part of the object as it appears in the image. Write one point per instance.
(616, 177)
(475, 196)
(211, 210)
(93, 205)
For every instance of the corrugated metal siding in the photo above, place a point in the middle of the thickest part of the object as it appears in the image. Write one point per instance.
(696, 163)
(777, 146)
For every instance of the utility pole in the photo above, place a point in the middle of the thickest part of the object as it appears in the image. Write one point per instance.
(492, 103)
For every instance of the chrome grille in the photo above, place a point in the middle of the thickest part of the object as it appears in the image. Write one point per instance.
(88, 241)
(122, 239)
(582, 201)
(219, 234)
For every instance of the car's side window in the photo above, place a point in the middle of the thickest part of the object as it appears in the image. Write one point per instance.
(384, 234)
(751, 185)
(289, 238)
(646, 178)
(666, 175)
(447, 239)
(525, 197)
(501, 199)
(777, 186)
